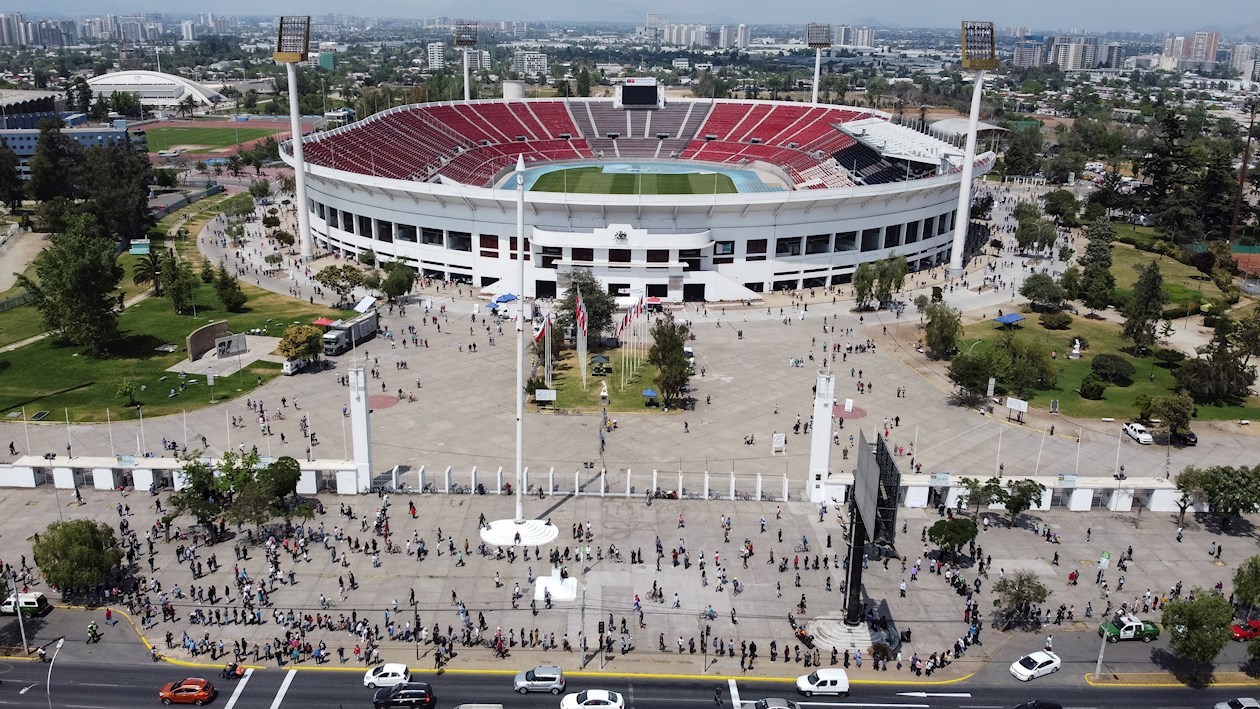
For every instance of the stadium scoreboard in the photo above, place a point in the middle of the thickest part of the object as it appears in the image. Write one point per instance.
(640, 92)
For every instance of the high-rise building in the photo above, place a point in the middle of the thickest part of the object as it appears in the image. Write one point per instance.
(478, 59)
(529, 63)
(743, 36)
(1073, 53)
(437, 55)
(1029, 51)
(187, 30)
(1176, 46)
(843, 36)
(726, 37)
(1244, 58)
(864, 37)
(1115, 56)
(1204, 46)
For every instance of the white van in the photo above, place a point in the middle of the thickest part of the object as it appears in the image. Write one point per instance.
(293, 366)
(32, 604)
(826, 681)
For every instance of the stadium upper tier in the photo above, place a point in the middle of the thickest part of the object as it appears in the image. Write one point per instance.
(810, 147)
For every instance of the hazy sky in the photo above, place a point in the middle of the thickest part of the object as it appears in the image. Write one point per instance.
(1098, 15)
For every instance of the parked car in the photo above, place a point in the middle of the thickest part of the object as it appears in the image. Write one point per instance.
(1138, 433)
(32, 604)
(1239, 703)
(407, 694)
(593, 699)
(1035, 664)
(545, 678)
(1245, 630)
(191, 690)
(825, 681)
(1127, 626)
(387, 675)
(774, 703)
(1039, 704)
(1184, 438)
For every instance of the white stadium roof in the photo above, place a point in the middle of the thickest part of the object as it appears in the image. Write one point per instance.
(954, 128)
(894, 141)
(154, 88)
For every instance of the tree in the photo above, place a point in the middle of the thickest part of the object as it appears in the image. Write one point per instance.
(114, 181)
(12, 188)
(1113, 368)
(1190, 485)
(1146, 308)
(890, 277)
(1218, 375)
(982, 494)
(1174, 411)
(1229, 491)
(1063, 206)
(1070, 281)
(943, 328)
(1023, 152)
(76, 555)
(583, 82)
(666, 354)
(1198, 629)
(951, 534)
(1021, 496)
(1043, 292)
(148, 271)
(863, 284)
(1247, 583)
(1035, 232)
(229, 289)
(970, 372)
(399, 279)
(75, 285)
(54, 166)
(260, 189)
(599, 303)
(1017, 593)
(304, 341)
(179, 281)
(341, 279)
(127, 390)
(200, 496)
(1098, 285)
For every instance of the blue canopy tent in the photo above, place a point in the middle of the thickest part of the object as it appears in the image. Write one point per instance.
(649, 392)
(1009, 319)
(505, 298)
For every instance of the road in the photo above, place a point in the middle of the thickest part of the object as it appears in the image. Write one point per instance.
(95, 686)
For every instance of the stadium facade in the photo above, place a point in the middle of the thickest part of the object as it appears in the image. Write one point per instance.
(431, 185)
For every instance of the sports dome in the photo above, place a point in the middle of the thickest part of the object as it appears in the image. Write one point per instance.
(684, 200)
(155, 89)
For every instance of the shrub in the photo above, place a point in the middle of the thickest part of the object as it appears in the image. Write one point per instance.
(1113, 368)
(1092, 387)
(1056, 321)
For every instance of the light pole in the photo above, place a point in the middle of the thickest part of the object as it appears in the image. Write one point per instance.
(48, 684)
(50, 457)
(17, 605)
(1242, 170)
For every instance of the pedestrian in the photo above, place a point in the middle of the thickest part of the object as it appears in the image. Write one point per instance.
(1180, 531)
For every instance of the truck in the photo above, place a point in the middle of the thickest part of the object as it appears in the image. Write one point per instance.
(1126, 626)
(344, 334)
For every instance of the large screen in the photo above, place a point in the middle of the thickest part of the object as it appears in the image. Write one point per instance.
(638, 95)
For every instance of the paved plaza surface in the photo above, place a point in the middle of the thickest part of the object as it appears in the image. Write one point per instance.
(462, 417)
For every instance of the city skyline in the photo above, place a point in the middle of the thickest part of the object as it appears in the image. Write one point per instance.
(1119, 15)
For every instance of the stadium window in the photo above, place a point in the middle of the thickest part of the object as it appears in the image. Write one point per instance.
(332, 219)
(953, 216)
(723, 260)
(912, 232)
(723, 248)
(846, 241)
(870, 239)
(548, 256)
(489, 241)
(459, 241)
(486, 253)
(786, 285)
(319, 209)
(756, 246)
(756, 287)
(690, 259)
(384, 230)
(841, 279)
(512, 248)
(929, 227)
(405, 232)
(658, 255)
(657, 290)
(432, 237)
(818, 244)
(619, 255)
(365, 226)
(583, 255)
(787, 246)
(347, 222)
(892, 236)
(814, 282)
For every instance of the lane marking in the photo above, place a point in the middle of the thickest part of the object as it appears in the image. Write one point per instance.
(284, 689)
(735, 703)
(100, 684)
(858, 704)
(240, 687)
(28, 688)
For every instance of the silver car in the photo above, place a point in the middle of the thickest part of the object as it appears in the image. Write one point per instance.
(546, 678)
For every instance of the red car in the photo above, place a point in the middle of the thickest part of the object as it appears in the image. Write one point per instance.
(192, 690)
(1245, 630)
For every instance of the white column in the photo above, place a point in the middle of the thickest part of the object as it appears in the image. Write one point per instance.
(820, 440)
(360, 427)
(299, 167)
(467, 93)
(964, 190)
(520, 328)
(817, 71)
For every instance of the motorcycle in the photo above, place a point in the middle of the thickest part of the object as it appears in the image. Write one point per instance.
(232, 671)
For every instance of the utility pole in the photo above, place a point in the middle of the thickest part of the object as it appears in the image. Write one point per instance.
(1242, 171)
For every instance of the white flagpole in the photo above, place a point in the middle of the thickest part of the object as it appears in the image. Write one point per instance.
(110, 425)
(26, 427)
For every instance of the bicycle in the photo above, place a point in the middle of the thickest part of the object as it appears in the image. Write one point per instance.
(801, 548)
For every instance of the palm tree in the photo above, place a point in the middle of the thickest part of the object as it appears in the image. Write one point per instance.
(149, 270)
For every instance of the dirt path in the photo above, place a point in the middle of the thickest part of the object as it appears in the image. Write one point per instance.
(16, 255)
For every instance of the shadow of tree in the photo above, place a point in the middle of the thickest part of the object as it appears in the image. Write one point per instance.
(11, 634)
(1233, 526)
(1186, 671)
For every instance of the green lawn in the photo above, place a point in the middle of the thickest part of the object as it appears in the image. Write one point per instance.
(209, 139)
(1102, 337)
(45, 376)
(1184, 285)
(567, 381)
(593, 180)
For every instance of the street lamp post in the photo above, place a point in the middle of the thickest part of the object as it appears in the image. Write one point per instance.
(17, 605)
(48, 683)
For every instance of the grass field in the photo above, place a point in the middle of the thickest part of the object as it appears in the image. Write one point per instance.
(210, 138)
(567, 382)
(593, 180)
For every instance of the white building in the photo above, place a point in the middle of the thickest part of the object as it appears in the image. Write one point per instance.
(682, 64)
(187, 30)
(864, 37)
(529, 63)
(743, 37)
(437, 55)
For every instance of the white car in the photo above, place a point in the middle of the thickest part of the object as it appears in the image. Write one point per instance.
(595, 698)
(387, 675)
(1034, 665)
(1138, 433)
(1239, 703)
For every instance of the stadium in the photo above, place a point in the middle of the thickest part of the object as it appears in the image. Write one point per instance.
(684, 200)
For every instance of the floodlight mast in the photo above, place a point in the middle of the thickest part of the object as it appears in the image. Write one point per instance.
(465, 39)
(818, 37)
(292, 46)
(979, 53)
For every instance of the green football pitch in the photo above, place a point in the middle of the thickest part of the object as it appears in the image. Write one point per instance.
(205, 139)
(593, 180)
